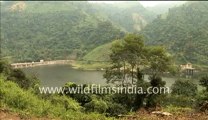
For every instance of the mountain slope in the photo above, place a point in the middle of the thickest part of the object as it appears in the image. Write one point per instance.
(164, 7)
(129, 16)
(31, 31)
(101, 53)
(183, 31)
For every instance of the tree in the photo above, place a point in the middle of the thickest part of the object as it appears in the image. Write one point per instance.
(127, 57)
(159, 62)
(204, 82)
(154, 99)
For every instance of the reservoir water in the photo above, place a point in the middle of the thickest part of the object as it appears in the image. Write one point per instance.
(58, 75)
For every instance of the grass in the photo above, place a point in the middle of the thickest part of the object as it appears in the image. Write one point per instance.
(97, 59)
(90, 66)
(177, 110)
(29, 105)
(101, 53)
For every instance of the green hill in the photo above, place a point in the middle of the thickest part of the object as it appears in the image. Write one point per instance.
(31, 30)
(49, 30)
(183, 31)
(101, 53)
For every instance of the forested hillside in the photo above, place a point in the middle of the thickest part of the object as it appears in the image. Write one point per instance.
(129, 16)
(164, 7)
(184, 31)
(31, 31)
(38, 31)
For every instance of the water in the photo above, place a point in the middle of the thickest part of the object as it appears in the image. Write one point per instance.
(58, 75)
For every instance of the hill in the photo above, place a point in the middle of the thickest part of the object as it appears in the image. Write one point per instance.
(50, 30)
(31, 30)
(164, 7)
(101, 53)
(183, 31)
(129, 16)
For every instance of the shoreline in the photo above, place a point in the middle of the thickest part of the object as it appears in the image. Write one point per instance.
(75, 65)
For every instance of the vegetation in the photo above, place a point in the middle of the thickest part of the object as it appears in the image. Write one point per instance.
(96, 36)
(184, 87)
(183, 31)
(62, 30)
(204, 82)
(100, 54)
(29, 103)
(59, 39)
(128, 57)
(128, 16)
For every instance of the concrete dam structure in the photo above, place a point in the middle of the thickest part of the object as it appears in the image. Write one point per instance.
(42, 62)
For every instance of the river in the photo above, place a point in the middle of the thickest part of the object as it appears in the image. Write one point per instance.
(58, 75)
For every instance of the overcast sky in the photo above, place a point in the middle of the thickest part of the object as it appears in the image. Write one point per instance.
(144, 3)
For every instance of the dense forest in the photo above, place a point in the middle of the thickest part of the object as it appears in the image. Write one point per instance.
(31, 31)
(28, 26)
(183, 31)
(31, 35)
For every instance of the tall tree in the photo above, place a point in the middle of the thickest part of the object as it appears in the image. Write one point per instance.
(127, 56)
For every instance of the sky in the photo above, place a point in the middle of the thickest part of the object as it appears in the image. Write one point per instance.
(144, 3)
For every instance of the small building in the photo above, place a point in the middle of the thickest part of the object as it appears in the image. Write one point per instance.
(188, 69)
(41, 61)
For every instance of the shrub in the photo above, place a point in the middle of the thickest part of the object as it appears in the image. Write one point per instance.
(204, 82)
(185, 88)
(178, 100)
(154, 99)
(201, 98)
(79, 97)
(67, 102)
(25, 101)
(115, 109)
(19, 77)
(96, 106)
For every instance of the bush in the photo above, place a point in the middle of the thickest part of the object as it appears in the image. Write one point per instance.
(96, 106)
(154, 99)
(5, 68)
(79, 97)
(178, 100)
(17, 76)
(202, 97)
(204, 82)
(185, 88)
(115, 109)
(67, 102)
(24, 101)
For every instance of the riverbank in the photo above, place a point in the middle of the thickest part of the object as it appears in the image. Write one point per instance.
(84, 65)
